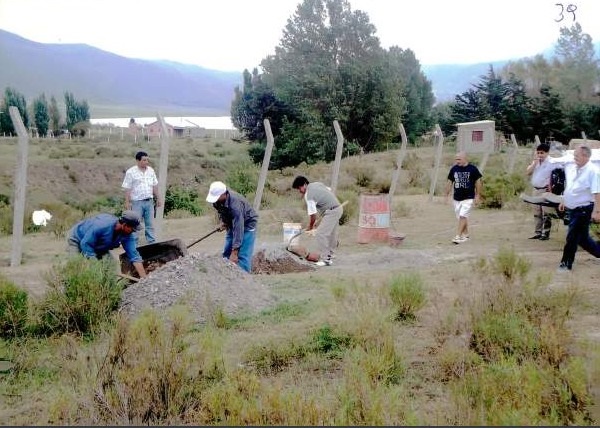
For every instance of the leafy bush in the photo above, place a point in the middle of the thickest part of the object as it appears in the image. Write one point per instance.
(242, 178)
(407, 295)
(328, 342)
(6, 214)
(498, 189)
(178, 198)
(83, 294)
(363, 175)
(13, 309)
(156, 370)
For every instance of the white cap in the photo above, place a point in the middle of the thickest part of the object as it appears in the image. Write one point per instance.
(217, 188)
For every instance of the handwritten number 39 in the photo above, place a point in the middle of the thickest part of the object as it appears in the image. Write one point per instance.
(571, 8)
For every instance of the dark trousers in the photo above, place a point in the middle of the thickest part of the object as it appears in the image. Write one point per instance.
(579, 234)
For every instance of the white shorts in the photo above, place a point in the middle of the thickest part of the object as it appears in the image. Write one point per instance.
(463, 208)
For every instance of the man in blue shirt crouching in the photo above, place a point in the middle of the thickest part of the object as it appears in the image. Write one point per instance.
(96, 236)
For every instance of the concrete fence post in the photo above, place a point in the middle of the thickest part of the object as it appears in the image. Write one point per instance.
(20, 187)
(399, 161)
(262, 178)
(512, 156)
(438, 159)
(338, 156)
(162, 174)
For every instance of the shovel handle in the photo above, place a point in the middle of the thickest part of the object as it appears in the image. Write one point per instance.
(204, 237)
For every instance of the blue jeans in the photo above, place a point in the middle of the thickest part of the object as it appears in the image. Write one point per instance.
(579, 234)
(246, 250)
(145, 209)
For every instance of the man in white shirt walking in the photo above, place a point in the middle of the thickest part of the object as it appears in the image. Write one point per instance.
(141, 188)
(581, 199)
(540, 170)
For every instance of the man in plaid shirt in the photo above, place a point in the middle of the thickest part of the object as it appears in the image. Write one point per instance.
(141, 188)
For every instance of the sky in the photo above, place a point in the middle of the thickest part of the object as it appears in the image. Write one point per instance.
(233, 35)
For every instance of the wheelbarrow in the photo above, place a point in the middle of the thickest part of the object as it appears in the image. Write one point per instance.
(157, 254)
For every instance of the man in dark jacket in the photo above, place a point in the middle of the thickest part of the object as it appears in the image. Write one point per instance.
(94, 237)
(239, 219)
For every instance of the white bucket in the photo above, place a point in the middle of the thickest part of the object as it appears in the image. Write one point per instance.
(290, 230)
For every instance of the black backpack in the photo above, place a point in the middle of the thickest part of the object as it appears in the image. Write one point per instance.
(557, 181)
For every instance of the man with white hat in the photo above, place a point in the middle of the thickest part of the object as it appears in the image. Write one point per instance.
(94, 237)
(239, 219)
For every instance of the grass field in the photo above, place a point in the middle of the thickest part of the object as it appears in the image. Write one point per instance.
(427, 333)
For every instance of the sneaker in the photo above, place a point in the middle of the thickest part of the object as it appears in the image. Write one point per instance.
(457, 239)
(464, 238)
(563, 267)
(327, 262)
(536, 236)
(544, 237)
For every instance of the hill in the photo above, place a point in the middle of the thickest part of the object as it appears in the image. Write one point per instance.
(116, 86)
(112, 84)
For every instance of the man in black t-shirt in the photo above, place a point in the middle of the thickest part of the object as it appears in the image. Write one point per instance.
(465, 179)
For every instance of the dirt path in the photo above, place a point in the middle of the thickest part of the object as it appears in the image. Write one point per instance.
(428, 226)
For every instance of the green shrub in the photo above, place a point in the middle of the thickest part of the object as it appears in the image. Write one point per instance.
(407, 295)
(510, 265)
(13, 309)
(504, 334)
(273, 357)
(180, 198)
(83, 294)
(498, 189)
(242, 178)
(6, 217)
(156, 369)
(417, 175)
(328, 342)
(363, 175)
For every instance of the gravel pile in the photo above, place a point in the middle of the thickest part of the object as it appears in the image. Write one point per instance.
(205, 283)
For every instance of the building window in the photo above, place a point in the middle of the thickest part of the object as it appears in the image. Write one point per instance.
(477, 136)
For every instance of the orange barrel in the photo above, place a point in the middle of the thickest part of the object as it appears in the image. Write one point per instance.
(374, 218)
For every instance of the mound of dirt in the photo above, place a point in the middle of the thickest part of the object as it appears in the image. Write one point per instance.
(275, 260)
(204, 283)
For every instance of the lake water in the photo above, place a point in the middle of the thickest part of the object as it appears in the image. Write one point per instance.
(218, 122)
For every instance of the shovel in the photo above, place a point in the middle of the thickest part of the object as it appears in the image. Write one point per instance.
(204, 237)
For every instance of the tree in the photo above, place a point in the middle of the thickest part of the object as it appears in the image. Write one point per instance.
(533, 72)
(255, 102)
(329, 66)
(13, 98)
(416, 91)
(577, 69)
(442, 115)
(54, 116)
(548, 115)
(41, 115)
(468, 106)
(77, 112)
(517, 109)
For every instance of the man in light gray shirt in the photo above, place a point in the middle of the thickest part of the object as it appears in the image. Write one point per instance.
(321, 200)
(540, 170)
